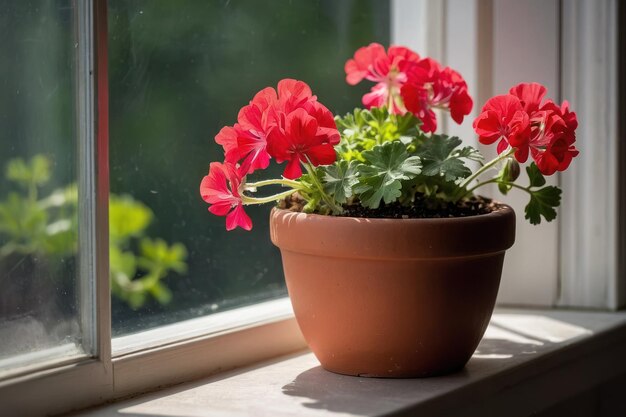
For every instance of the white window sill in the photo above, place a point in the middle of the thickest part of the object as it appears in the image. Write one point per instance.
(528, 361)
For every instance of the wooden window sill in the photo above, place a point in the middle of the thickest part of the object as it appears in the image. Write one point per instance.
(528, 362)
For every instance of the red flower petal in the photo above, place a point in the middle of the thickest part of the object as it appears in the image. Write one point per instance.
(321, 154)
(220, 209)
(487, 127)
(293, 94)
(522, 154)
(502, 146)
(293, 170)
(227, 137)
(214, 187)
(377, 97)
(364, 61)
(530, 94)
(238, 217)
(505, 106)
(220, 188)
(460, 105)
(254, 147)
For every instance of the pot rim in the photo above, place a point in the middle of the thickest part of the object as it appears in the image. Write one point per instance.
(393, 239)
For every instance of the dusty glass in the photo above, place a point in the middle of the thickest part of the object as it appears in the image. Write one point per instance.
(179, 71)
(38, 222)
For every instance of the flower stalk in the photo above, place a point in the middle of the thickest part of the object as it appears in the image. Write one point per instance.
(486, 167)
(336, 209)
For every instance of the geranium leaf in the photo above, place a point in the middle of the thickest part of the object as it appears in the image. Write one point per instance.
(361, 130)
(535, 176)
(441, 158)
(339, 179)
(381, 175)
(542, 203)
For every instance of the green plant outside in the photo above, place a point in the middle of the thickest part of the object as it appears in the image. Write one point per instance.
(46, 227)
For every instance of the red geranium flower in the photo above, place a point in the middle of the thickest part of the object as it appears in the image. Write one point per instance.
(220, 188)
(503, 118)
(530, 95)
(246, 141)
(387, 69)
(552, 129)
(327, 128)
(301, 139)
(552, 137)
(520, 119)
(556, 156)
(429, 87)
(293, 94)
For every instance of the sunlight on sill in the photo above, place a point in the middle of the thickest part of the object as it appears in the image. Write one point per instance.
(518, 351)
(510, 335)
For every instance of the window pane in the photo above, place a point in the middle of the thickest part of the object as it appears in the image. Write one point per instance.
(38, 222)
(179, 71)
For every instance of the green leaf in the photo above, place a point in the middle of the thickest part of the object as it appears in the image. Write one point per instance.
(162, 294)
(542, 203)
(312, 194)
(441, 158)
(37, 171)
(339, 179)
(407, 124)
(361, 130)
(122, 262)
(127, 218)
(536, 177)
(381, 175)
(470, 153)
(157, 254)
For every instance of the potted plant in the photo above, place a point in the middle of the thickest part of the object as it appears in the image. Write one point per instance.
(391, 260)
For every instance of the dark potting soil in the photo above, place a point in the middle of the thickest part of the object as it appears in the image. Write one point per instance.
(420, 209)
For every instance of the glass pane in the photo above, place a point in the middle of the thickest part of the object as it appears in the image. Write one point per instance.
(179, 71)
(38, 232)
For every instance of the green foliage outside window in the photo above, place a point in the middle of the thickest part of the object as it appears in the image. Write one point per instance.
(46, 226)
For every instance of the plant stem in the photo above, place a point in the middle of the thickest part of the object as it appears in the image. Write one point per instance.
(519, 187)
(487, 166)
(283, 181)
(390, 101)
(470, 190)
(327, 199)
(253, 200)
(495, 180)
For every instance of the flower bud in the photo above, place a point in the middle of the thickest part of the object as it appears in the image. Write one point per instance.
(511, 170)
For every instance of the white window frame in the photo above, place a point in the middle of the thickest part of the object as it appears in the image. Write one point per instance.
(200, 347)
(573, 261)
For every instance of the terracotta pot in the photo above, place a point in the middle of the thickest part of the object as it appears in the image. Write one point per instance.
(392, 297)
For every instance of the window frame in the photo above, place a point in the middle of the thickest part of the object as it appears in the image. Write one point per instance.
(266, 330)
(107, 375)
(59, 386)
(575, 259)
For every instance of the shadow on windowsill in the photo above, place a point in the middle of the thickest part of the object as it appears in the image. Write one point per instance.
(506, 344)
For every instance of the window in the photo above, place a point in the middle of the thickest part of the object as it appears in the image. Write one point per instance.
(178, 73)
(572, 261)
(40, 307)
(180, 287)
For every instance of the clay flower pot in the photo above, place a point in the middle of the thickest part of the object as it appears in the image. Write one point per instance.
(393, 297)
